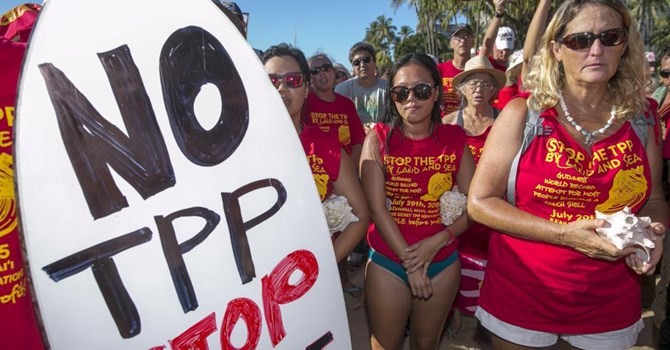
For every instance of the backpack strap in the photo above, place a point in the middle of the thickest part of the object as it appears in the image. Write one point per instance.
(641, 127)
(533, 128)
(459, 118)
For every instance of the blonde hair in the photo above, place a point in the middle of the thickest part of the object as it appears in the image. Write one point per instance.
(546, 77)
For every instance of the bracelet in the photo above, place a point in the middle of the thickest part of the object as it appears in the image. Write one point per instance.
(451, 235)
(500, 15)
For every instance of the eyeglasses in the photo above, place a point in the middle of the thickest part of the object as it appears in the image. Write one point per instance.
(326, 67)
(365, 59)
(293, 80)
(474, 84)
(461, 37)
(421, 92)
(340, 74)
(664, 73)
(580, 41)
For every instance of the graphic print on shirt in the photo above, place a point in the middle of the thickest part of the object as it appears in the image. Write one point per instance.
(403, 187)
(614, 177)
(327, 120)
(7, 202)
(320, 175)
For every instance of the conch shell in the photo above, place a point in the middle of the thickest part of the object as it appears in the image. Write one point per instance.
(338, 213)
(452, 205)
(626, 229)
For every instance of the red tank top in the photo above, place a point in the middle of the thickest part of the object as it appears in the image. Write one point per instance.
(323, 155)
(556, 289)
(474, 242)
(417, 173)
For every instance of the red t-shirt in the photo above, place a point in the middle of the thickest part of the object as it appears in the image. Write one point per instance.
(451, 98)
(339, 115)
(556, 289)
(417, 173)
(323, 155)
(505, 95)
(18, 325)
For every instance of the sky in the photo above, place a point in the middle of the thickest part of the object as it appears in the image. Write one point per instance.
(314, 26)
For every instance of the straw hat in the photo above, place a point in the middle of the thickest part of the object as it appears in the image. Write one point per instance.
(480, 64)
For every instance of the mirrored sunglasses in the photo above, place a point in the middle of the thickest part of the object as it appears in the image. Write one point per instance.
(322, 68)
(580, 41)
(421, 92)
(366, 59)
(293, 80)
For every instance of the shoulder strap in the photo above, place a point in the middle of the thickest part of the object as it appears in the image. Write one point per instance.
(533, 128)
(459, 118)
(641, 127)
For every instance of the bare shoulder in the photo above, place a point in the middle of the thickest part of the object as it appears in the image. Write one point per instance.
(450, 118)
(512, 117)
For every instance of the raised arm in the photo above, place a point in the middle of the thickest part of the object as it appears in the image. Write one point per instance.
(535, 30)
(492, 31)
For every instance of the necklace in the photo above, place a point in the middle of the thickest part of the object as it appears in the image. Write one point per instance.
(587, 135)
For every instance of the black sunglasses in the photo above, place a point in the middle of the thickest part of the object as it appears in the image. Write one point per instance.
(580, 41)
(326, 67)
(365, 59)
(421, 92)
(293, 80)
(664, 73)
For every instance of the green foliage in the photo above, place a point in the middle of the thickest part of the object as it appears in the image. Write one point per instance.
(433, 17)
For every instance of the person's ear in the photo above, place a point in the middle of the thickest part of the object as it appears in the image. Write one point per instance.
(556, 50)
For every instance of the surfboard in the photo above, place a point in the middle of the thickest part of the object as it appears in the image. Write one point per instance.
(164, 198)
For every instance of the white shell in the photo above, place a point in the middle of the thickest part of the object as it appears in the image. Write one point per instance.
(626, 229)
(452, 205)
(338, 213)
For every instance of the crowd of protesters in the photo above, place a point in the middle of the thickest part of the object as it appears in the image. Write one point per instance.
(538, 139)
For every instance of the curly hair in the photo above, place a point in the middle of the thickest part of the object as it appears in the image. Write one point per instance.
(285, 49)
(546, 77)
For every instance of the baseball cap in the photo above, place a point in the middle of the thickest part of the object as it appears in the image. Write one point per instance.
(505, 38)
(515, 60)
(460, 27)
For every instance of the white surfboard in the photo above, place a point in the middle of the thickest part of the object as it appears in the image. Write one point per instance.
(165, 200)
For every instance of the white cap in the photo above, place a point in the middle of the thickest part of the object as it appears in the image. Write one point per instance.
(515, 60)
(505, 38)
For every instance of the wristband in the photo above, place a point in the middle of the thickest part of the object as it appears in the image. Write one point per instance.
(500, 15)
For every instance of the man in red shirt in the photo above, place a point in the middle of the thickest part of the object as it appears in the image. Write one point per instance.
(462, 40)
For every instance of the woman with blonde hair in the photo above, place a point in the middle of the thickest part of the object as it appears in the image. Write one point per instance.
(589, 147)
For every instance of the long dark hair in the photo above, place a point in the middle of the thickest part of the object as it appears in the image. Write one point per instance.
(393, 116)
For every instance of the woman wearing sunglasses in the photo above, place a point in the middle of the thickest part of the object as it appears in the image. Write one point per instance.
(479, 84)
(413, 271)
(332, 168)
(550, 277)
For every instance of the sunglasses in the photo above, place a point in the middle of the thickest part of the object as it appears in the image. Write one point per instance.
(340, 75)
(580, 41)
(365, 59)
(421, 92)
(322, 68)
(664, 73)
(293, 80)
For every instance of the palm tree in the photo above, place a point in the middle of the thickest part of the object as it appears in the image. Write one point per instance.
(429, 13)
(646, 13)
(381, 35)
